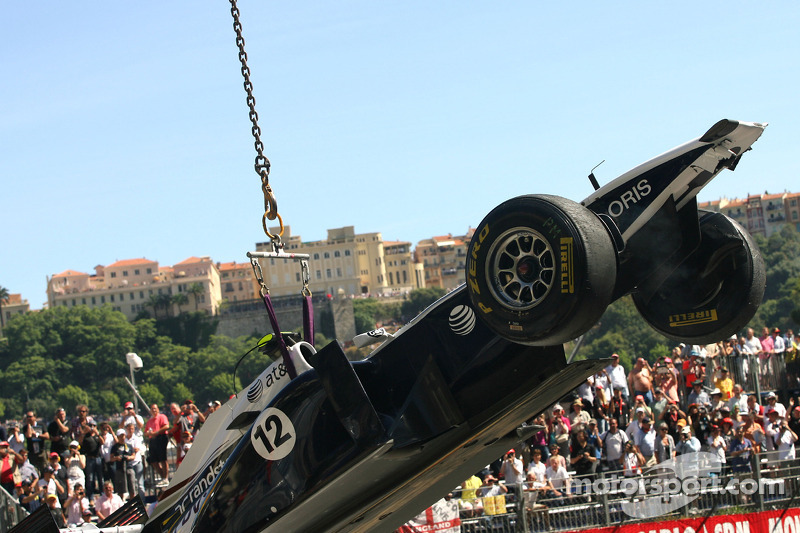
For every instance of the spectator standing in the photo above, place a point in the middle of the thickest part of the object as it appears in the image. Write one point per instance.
(716, 444)
(739, 451)
(26, 469)
(155, 430)
(784, 442)
(536, 470)
(59, 433)
(645, 442)
(108, 440)
(632, 461)
(560, 429)
(512, 470)
(29, 495)
(91, 444)
(35, 435)
(75, 505)
(665, 444)
(614, 441)
(724, 383)
(76, 464)
(492, 487)
(8, 466)
(619, 408)
(134, 471)
(738, 402)
(688, 443)
(118, 457)
(698, 395)
(55, 510)
(107, 502)
(582, 454)
(640, 380)
(130, 415)
(579, 417)
(659, 404)
(16, 438)
(616, 375)
(49, 485)
(80, 422)
(469, 504)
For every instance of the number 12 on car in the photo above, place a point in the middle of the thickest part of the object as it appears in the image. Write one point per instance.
(273, 434)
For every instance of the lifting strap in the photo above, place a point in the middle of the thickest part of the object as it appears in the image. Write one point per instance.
(308, 308)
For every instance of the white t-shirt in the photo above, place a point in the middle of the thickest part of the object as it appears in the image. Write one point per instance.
(557, 477)
(785, 443)
(510, 476)
(538, 473)
(618, 378)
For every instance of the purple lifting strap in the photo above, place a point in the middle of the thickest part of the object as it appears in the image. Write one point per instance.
(308, 320)
(273, 320)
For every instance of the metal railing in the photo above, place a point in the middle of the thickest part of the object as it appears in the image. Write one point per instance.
(767, 484)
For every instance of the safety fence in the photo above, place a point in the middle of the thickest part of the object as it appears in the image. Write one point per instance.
(612, 499)
(753, 373)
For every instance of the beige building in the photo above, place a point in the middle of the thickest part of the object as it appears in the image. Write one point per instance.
(12, 307)
(760, 214)
(133, 285)
(238, 282)
(444, 260)
(346, 262)
(403, 271)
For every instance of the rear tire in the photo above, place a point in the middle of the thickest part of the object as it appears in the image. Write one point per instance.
(541, 270)
(715, 292)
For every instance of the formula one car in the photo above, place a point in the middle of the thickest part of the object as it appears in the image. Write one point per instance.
(364, 446)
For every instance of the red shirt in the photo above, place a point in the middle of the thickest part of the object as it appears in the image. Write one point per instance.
(154, 424)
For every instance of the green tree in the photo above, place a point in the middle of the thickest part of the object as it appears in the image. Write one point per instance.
(196, 289)
(4, 296)
(155, 303)
(179, 300)
(418, 300)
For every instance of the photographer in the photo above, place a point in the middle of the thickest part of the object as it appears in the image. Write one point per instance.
(512, 469)
(76, 466)
(75, 506)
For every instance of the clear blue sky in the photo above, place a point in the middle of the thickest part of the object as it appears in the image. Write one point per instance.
(124, 130)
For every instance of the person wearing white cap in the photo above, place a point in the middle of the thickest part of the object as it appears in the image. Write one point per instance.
(687, 443)
(130, 415)
(76, 465)
(635, 423)
(616, 375)
(117, 458)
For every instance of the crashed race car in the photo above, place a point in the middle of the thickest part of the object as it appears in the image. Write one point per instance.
(364, 446)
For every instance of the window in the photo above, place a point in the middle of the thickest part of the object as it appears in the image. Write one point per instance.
(319, 274)
(83, 301)
(297, 277)
(338, 272)
(121, 297)
(125, 273)
(405, 276)
(112, 297)
(113, 274)
(316, 256)
(136, 272)
(391, 279)
(327, 255)
(74, 303)
(149, 270)
(141, 295)
(336, 253)
(102, 299)
(328, 272)
(229, 287)
(347, 253)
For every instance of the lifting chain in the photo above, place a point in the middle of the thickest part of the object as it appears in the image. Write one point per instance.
(262, 163)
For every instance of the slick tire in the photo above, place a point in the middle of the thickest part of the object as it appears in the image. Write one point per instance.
(715, 292)
(540, 270)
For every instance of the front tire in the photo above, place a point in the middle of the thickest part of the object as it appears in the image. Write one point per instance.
(541, 269)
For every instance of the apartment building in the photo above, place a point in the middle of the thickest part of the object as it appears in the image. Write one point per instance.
(404, 272)
(345, 262)
(444, 259)
(760, 214)
(238, 282)
(132, 285)
(12, 307)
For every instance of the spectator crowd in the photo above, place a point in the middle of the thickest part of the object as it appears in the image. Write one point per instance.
(623, 421)
(84, 469)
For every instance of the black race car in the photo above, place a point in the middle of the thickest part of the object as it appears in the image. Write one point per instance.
(364, 446)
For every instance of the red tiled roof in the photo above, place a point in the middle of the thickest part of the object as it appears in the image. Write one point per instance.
(68, 273)
(233, 266)
(192, 260)
(131, 262)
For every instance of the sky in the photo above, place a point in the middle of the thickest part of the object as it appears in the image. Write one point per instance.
(124, 131)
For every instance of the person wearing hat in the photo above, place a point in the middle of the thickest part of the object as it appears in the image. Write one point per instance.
(117, 457)
(717, 444)
(8, 466)
(579, 417)
(76, 465)
(29, 495)
(644, 442)
(717, 401)
(773, 405)
(639, 414)
(559, 429)
(50, 486)
(659, 404)
(512, 469)
(492, 487)
(724, 383)
(693, 369)
(58, 429)
(665, 444)
(687, 443)
(698, 395)
(617, 378)
(130, 415)
(51, 500)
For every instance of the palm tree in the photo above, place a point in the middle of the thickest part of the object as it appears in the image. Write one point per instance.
(4, 295)
(196, 289)
(165, 301)
(179, 300)
(155, 303)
